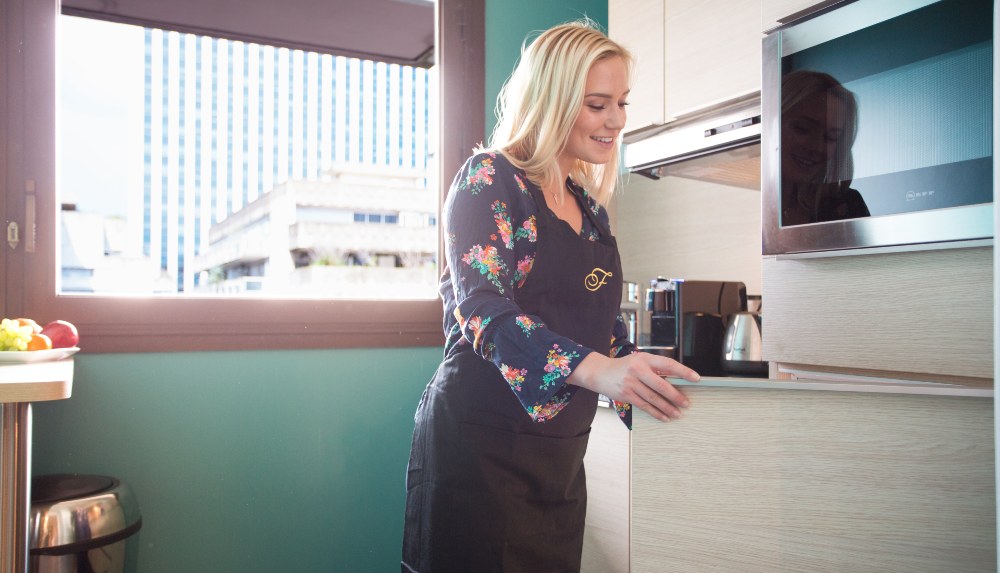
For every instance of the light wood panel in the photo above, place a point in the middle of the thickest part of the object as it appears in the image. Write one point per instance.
(812, 481)
(638, 25)
(713, 52)
(606, 537)
(683, 228)
(928, 312)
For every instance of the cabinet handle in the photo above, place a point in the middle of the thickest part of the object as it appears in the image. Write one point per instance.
(732, 126)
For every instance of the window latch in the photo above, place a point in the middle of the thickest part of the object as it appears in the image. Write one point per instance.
(13, 236)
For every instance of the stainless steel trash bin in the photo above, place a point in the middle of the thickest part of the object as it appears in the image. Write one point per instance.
(83, 524)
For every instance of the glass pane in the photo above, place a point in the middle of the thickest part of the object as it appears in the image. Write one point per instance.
(198, 166)
(884, 121)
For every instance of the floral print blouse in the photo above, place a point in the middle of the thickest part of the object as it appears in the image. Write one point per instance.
(490, 243)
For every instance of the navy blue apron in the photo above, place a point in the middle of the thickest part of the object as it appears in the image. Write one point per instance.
(488, 489)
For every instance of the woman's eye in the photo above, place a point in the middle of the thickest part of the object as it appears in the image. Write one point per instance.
(596, 107)
(803, 127)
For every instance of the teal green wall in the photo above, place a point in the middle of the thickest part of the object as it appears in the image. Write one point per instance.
(290, 461)
(509, 22)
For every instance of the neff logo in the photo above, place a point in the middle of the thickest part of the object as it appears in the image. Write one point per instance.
(914, 195)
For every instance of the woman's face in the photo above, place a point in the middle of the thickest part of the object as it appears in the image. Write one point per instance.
(595, 133)
(810, 131)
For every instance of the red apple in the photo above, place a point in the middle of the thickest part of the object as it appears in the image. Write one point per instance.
(63, 334)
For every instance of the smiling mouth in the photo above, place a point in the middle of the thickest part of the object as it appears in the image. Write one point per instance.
(602, 139)
(804, 162)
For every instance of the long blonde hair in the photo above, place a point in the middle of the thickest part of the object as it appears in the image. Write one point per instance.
(539, 104)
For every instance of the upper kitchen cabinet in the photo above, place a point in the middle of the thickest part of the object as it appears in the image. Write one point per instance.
(691, 54)
(712, 53)
(638, 25)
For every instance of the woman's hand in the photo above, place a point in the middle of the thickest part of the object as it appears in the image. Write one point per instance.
(637, 379)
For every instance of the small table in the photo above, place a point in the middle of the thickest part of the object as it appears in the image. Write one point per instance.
(20, 385)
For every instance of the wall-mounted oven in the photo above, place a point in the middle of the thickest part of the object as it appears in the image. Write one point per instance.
(877, 126)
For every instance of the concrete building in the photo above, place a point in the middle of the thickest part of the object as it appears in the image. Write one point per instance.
(357, 232)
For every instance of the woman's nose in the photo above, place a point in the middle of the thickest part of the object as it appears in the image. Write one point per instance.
(616, 119)
(816, 144)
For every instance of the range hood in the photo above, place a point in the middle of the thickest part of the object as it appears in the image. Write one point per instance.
(720, 144)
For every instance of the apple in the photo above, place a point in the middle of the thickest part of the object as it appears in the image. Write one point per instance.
(63, 334)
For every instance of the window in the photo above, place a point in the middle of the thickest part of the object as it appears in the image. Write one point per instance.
(191, 311)
(194, 153)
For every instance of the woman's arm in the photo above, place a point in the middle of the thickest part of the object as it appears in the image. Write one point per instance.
(490, 235)
(636, 379)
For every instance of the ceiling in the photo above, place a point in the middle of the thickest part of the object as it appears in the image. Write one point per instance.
(398, 31)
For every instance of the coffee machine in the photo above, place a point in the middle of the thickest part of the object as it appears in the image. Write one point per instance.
(685, 320)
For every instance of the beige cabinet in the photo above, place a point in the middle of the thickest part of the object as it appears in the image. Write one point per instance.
(638, 25)
(690, 54)
(907, 315)
(713, 53)
(606, 536)
(775, 10)
(765, 480)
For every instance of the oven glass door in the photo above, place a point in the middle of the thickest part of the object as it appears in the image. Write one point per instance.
(884, 112)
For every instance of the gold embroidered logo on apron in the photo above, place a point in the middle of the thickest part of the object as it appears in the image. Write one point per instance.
(596, 279)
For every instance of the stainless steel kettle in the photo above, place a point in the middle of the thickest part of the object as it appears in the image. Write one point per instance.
(742, 348)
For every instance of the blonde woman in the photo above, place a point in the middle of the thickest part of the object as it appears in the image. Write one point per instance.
(531, 297)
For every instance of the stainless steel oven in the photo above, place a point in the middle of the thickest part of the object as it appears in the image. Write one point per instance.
(877, 126)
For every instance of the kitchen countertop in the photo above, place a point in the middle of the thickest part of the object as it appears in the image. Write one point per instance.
(840, 383)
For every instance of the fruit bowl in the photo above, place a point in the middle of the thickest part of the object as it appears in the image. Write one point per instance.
(28, 356)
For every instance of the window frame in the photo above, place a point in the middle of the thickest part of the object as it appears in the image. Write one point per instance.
(185, 322)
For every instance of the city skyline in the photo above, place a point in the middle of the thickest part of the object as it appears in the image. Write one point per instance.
(221, 122)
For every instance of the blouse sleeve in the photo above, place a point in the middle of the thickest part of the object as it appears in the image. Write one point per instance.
(490, 234)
